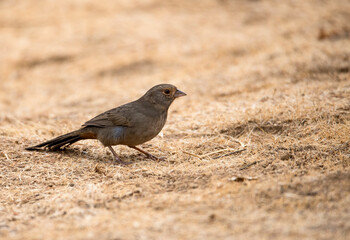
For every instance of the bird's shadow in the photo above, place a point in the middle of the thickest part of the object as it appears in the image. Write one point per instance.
(85, 153)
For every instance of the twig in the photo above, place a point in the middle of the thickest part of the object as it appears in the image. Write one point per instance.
(235, 140)
(218, 151)
(7, 157)
(194, 155)
(241, 178)
(211, 153)
(249, 165)
(231, 153)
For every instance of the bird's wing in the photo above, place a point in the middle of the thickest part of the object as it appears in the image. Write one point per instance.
(111, 118)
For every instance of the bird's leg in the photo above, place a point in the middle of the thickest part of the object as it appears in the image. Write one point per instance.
(116, 158)
(146, 153)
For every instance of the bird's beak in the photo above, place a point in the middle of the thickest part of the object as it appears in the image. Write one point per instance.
(179, 93)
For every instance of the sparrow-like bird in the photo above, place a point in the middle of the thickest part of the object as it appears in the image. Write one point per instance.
(131, 124)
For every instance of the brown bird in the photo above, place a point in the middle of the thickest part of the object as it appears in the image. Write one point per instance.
(131, 124)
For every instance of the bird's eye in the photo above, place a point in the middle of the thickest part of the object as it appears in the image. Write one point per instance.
(166, 91)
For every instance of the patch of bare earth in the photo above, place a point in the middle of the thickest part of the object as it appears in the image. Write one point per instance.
(259, 149)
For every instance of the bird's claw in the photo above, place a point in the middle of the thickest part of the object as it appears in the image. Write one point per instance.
(155, 158)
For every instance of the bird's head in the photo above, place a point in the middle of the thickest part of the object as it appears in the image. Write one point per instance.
(162, 95)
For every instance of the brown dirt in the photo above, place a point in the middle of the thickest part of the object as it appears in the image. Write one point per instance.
(259, 149)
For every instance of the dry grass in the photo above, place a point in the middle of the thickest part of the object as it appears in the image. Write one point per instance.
(259, 149)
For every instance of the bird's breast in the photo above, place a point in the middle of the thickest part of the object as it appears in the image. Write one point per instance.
(143, 129)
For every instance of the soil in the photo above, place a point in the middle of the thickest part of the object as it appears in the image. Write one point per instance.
(258, 149)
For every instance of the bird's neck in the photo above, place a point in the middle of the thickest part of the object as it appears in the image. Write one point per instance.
(152, 107)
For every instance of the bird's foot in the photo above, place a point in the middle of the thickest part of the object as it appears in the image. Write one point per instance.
(155, 158)
(116, 158)
(147, 154)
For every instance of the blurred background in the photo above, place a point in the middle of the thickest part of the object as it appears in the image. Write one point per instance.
(86, 53)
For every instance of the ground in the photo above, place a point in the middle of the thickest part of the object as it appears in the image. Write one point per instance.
(258, 149)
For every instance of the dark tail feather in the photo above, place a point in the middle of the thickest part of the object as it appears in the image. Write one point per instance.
(60, 141)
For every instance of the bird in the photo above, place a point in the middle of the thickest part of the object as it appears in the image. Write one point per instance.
(130, 124)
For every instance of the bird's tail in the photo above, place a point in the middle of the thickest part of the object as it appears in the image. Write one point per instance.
(58, 142)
